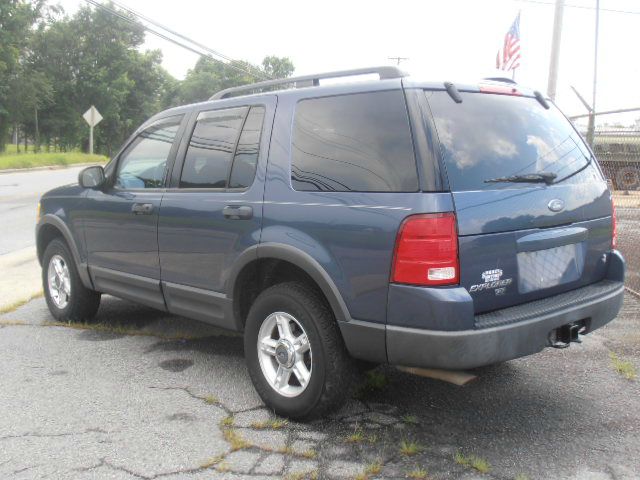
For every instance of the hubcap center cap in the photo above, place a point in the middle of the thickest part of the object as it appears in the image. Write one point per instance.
(285, 354)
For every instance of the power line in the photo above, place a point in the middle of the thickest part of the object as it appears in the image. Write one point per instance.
(172, 40)
(584, 7)
(183, 37)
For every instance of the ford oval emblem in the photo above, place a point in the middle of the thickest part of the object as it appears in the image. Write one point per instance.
(555, 205)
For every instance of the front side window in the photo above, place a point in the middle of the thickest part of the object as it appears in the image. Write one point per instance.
(211, 148)
(360, 142)
(144, 162)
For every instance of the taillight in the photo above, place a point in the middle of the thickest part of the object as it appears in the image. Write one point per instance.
(426, 251)
(614, 225)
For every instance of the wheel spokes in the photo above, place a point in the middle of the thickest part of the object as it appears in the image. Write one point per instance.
(268, 346)
(284, 328)
(282, 377)
(301, 344)
(301, 372)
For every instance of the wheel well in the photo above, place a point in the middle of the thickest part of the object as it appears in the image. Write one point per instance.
(45, 235)
(261, 274)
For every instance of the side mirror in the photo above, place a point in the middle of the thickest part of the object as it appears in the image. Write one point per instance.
(92, 177)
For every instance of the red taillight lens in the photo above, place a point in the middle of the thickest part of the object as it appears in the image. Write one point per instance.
(614, 225)
(426, 251)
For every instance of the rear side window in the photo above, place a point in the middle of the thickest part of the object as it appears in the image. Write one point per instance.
(211, 148)
(488, 136)
(360, 143)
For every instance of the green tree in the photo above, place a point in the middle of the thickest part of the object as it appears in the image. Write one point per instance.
(16, 20)
(94, 59)
(277, 67)
(209, 76)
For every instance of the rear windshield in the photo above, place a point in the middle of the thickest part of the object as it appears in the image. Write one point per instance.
(489, 136)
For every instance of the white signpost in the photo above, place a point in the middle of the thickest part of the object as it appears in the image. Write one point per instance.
(92, 117)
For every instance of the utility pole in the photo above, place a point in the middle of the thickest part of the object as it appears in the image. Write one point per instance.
(555, 49)
(591, 129)
(398, 59)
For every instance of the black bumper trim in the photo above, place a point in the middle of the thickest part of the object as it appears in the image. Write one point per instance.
(457, 350)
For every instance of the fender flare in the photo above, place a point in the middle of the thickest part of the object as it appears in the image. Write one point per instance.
(54, 221)
(302, 260)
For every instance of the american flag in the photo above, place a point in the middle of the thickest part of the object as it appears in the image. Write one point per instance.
(508, 57)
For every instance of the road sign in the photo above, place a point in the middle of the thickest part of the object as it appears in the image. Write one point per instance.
(92, 117)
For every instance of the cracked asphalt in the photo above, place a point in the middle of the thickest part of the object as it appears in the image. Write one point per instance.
(148, 395)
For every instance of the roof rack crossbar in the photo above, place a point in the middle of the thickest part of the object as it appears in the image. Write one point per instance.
(384, 72)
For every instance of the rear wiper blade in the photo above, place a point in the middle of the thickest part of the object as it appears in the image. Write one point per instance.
(541, 177)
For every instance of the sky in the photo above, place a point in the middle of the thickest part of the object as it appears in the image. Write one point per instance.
(454, 40)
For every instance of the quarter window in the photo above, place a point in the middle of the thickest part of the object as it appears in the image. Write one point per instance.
(360, 142)
(246, 157)
(211, 148)
(144, 163)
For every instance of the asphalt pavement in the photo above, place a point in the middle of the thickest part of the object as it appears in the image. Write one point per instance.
(143, 394)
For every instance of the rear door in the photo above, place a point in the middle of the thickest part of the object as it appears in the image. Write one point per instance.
(213, 211)
(521, 241)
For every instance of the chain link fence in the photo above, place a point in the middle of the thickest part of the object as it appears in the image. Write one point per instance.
(618, 152)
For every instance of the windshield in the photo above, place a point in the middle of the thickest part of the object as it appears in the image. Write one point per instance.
(488, 137)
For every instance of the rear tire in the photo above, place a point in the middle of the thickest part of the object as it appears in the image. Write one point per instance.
(67, 298)
(276, 365)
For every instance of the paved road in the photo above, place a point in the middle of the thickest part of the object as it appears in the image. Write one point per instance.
(148, 399)
(19, 194)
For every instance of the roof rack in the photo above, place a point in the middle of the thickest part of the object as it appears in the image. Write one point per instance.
(385, 72)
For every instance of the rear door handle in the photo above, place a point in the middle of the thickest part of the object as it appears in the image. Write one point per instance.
(142, 208)
(238, 212)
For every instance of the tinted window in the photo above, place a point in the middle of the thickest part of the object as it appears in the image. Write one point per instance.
(246, 157)
(210, 150)
(144, 163)
(489, 136)
(358, 143)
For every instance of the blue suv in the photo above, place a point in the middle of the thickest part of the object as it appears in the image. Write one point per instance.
(388, 220)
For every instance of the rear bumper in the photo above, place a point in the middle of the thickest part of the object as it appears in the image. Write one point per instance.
(474, 348)
(489, 338)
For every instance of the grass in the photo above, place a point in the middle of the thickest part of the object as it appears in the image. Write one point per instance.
(472, 461)
(15, 305)
(212, 462)
(623, 367)
(409, 449)
(372, 469)
(418, 474)
(309, 475)
(310, 454)
(227, 421)
(521, 476)
(211, 400)
(30, 160)
(115, 329)
(273, 424)
(374, 382)
(410, 419)
(235, 440)
(356, 437)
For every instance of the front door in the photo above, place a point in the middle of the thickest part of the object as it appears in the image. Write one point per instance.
(213, 211)
(121, 224)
